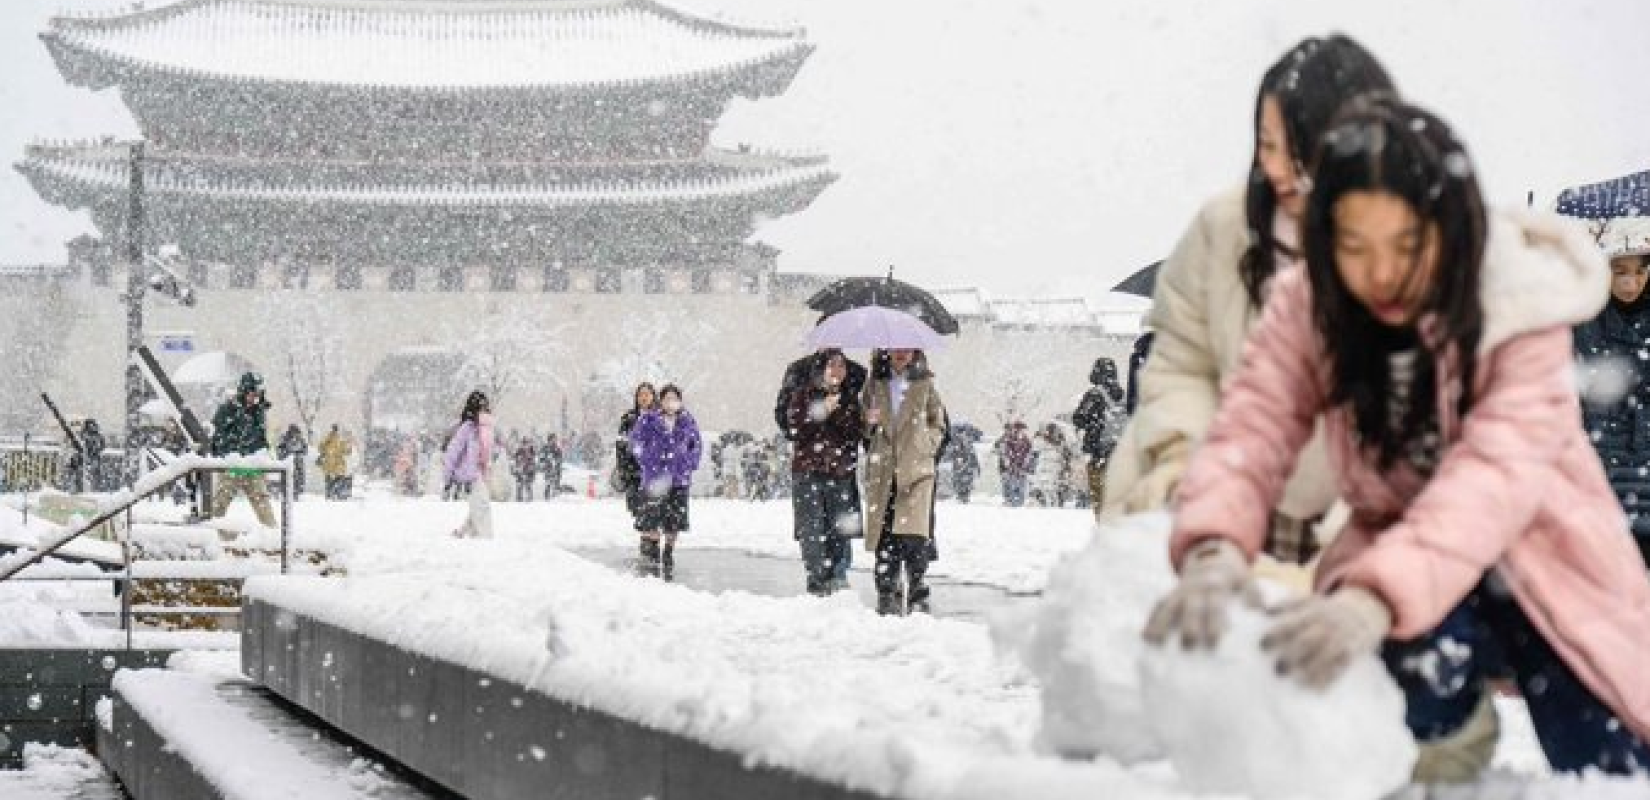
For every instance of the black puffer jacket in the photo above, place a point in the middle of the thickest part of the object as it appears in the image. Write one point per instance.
(1614, 351)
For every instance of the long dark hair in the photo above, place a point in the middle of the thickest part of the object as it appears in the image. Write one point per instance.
(473, 406)
(636, 396)
(1381, 144)
(1309, 83)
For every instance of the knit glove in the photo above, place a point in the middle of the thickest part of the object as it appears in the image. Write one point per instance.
(1316, 637)
(1214, 574)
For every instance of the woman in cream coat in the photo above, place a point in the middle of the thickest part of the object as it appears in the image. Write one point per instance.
(1211, 288)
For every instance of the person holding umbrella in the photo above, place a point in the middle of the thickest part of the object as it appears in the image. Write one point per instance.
(905, 425)
(1615, 403)
(827, 423)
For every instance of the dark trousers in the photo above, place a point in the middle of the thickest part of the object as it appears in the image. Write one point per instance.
(524, 488)
(900, 553)
(826, 512)
(1443, 674)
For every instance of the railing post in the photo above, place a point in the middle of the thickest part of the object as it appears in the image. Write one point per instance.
(286, 519)
(24, 472)
(126, 592)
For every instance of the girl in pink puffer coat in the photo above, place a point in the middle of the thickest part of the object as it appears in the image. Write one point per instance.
(1434, 343)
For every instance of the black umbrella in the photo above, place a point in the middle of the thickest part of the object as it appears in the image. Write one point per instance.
(848, 293)
(1142, 283)
(1627, 196)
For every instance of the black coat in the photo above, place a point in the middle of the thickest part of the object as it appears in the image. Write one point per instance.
(1619, 426)
(627, 470)
(799, 374)
(1096, 418)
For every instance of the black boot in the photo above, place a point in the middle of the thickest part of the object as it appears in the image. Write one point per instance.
(919, 599)
(650, 549)
(669, 555)
(888, 604)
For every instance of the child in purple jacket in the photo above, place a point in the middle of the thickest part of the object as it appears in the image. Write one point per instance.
(666, 443)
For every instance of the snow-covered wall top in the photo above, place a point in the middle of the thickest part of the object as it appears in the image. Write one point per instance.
(437, 45)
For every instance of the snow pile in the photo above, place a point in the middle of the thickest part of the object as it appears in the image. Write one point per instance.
(51, 772)
(1082, 640)
(26, 621)
(1230, 723)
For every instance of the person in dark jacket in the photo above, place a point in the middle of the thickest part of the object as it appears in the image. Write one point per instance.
(799, 373)
(91, 439)
(827, 424)
(1615, 407)
(1015, 460)
(627, 472)
(524, 466)
(1097, 421)
(1137, 362)
(550, 461)
(293, 444)
(965, 465)
(239, 429)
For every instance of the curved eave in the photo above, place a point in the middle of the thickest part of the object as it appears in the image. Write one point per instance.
(85, 64)
(88, 183)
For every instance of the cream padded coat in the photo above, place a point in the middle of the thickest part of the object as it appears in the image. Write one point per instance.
(1202, 316)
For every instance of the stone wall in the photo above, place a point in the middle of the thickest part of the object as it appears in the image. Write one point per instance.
(727, 352)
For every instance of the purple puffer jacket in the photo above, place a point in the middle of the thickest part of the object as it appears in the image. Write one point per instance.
(666, 455)
(470, 451)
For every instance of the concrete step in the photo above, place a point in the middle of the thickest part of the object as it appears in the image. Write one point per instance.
(171, 734)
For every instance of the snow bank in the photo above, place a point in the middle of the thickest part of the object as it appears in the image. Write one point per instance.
(1230, 723)
(51, 772)
(27, 621)
(1082, 641)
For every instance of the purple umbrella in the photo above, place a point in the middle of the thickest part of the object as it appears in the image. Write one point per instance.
(874, 326)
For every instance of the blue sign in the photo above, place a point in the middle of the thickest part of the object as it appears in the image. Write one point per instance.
(177, 344)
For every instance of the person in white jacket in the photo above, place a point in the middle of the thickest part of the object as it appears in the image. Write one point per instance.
(1210, 290)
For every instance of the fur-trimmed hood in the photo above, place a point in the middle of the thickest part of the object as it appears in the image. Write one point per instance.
(1625, 236)
(1540, 271)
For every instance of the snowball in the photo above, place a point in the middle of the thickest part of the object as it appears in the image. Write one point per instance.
(1081, 640)
(1605, 380)
(1230, 723)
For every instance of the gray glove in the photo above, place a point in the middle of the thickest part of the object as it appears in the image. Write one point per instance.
(1316, 637)
(1213, 575)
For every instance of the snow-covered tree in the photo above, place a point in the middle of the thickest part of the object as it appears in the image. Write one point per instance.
(311, 350)
(508, 347)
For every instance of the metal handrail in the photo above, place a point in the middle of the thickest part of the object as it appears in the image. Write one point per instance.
(157, 481)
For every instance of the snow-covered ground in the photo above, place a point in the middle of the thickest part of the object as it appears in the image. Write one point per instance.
(916, 707)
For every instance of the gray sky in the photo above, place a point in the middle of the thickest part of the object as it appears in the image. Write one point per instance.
(1047, 146)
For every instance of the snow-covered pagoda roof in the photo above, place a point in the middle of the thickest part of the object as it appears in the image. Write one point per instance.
(424, 44)
(58, 170)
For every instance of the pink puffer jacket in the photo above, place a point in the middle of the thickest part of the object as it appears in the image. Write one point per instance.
(1518, 489)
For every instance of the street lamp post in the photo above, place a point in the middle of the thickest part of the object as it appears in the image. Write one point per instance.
(136, 281)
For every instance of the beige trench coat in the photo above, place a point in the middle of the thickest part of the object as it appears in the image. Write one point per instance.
(901, 452)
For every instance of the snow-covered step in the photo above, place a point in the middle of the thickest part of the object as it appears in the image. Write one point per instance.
(172, 734)
(59, 773)
(232, 569)
(477, 733)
